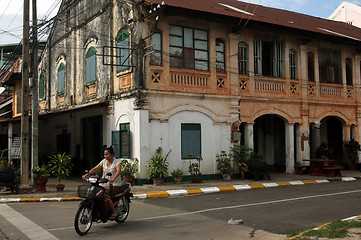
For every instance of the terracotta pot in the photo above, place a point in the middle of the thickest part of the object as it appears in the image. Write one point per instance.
(40, 184)
(60, 187)
(129, 180)
(177, 179)
(226, 177)
(157, 181)
(196, 180)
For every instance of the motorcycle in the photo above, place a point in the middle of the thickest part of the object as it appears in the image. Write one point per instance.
(94, 208)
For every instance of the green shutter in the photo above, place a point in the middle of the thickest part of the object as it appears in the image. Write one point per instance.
(42, 85)
(123, 51)
(61, 78)
(116, 143)
(90, 65)
(191, 140)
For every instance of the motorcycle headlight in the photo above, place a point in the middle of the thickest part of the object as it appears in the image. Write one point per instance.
(92, 180)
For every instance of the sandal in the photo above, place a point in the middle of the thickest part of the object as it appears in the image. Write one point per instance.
(112, 217)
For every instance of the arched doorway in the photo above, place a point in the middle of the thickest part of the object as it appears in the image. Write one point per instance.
(330, 130)
(269, 139)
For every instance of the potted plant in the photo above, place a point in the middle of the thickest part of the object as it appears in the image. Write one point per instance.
(224, 165)
(195, 170)
(353, 148)
(324, 151)
(129, 169)
(60, 167)
(157, 167)
(241, 154)
(177, 175)
(41, 175)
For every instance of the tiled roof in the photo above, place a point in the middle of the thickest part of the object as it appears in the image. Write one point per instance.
(253, 12)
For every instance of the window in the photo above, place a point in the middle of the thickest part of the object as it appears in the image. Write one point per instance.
(90, 65)
(121, 141)
(156, 43)
(123, 53)
(293, 64)
(191, 140)
(268, 58)
(220, 56)
(349, 71)
(18, 101)
(188, 48)
(61, 78)
(42, 85)
(311, 66)
(243, 58)
(329, 62)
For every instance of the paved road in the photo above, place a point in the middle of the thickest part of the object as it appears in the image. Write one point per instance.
(275, 210)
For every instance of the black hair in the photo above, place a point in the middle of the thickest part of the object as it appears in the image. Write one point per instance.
(110, 150)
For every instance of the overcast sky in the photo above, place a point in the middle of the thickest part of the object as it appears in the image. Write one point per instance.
(11, 12)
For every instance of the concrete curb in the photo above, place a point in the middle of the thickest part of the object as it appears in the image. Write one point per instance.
(185, 192)
(320, 227)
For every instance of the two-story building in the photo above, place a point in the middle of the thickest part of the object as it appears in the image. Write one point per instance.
(196, 77)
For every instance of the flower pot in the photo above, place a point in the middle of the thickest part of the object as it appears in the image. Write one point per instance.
(60, 187)
(129, 180)
(177, 179)
(196, 180)
(157, 181)
(226, 177)
(40, 184)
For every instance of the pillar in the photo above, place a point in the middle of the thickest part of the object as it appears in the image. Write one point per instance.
(248, 135)
(290, 146)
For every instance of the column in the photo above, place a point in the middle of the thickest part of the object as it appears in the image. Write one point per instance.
(290, 147)
(316, 138)
(10, 140)
(248, 135)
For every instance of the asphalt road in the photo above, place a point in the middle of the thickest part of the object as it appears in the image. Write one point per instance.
(275, 210)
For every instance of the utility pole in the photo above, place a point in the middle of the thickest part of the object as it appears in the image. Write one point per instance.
(35, 91)
(25, 101)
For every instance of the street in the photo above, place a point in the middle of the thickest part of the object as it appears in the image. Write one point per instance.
(274, 210)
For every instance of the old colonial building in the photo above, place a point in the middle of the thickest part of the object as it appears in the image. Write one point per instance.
(196, 77)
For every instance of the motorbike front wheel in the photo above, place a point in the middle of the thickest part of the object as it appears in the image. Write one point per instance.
(122, 210)
(83, 220)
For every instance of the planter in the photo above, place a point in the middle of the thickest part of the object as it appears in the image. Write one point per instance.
(226, 177)
(129, 180)
(177, 179)
(157, 181)
(60, 187)
(196, 180)
(40, 184)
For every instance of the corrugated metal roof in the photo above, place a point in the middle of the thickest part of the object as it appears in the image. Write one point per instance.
(263, 14)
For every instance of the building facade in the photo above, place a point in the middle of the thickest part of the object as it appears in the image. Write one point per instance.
(196, 78)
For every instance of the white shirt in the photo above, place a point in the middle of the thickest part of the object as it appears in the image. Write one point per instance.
(113, 170)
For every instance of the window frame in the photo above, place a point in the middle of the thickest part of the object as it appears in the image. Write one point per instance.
(311, 67)
(220, 56)
(123, 40)
(124, 128)
(243, 58)
(188, 59)
(276, 58)
(61, 81)
(330, 66)
(293, 64)
(90, 54)
(156, 51)
(349, 71)
(42, 85)
(197, 129)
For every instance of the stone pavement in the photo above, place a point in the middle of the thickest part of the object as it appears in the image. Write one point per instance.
(172, 189)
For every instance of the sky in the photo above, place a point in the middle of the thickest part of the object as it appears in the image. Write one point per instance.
(11, 12)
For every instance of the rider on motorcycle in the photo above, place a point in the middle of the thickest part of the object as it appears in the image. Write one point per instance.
(113, 166)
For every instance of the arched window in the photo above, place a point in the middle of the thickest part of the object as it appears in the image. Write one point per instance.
(42, 85)
(156, 43)
(243, 58)
(293, 64)
(90, 65)
(349, 71)
(123, 51)
(311, 66)
(61, 78)
(220, 56)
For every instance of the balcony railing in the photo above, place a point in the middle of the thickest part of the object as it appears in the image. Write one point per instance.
(181, 78)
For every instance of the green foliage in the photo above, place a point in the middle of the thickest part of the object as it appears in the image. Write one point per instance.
(60, 165)
(177, 173)
(157, 165)
(195, 168)
(40, 172)
(3, 154)
(324, 150)
(224, 164)
(129, 169)
(352, 147)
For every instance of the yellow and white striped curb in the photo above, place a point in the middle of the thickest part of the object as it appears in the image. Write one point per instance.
(320, 227)
(184, 192)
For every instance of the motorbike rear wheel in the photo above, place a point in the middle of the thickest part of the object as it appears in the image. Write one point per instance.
(83, 220)
(122, 210)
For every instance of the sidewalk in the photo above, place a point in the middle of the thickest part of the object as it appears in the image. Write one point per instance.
(172, 189)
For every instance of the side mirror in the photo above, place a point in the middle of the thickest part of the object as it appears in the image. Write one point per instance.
(86, 171)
